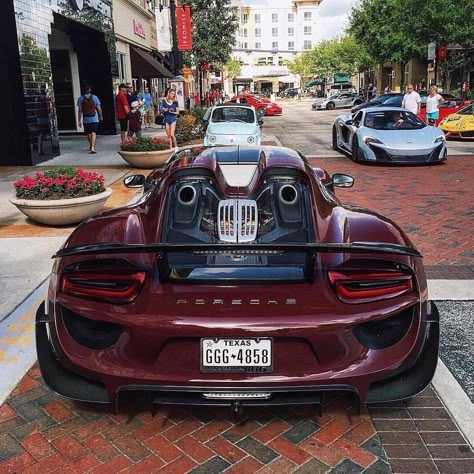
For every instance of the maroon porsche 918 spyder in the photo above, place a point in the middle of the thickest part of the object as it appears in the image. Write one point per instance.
(237, 279)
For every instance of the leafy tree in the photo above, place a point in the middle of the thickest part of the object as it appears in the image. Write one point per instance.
(398, 30)
(214, 23)
(380, 27)
(340, 55)
(233, 68)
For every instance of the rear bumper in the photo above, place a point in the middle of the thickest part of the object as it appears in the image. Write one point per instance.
(407, 382)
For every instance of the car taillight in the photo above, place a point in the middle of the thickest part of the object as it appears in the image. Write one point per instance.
(362, 287)
(117, 287)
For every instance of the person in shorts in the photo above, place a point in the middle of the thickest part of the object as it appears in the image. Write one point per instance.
(89, 113)
(149, 116)
(433, 102)
(122, 109)
(169, 109)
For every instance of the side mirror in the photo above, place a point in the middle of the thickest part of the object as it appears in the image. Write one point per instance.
(134, 181)
(260, 123)
(340, 180)
(349, 122)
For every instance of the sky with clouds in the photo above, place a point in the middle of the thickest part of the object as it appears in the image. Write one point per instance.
(333, 14)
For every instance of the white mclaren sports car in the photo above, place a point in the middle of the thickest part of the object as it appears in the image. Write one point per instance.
(389, 135)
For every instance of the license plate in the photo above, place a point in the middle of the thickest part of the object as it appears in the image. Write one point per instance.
(238, 355)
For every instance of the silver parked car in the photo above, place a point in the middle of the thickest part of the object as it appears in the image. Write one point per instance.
(390, 135)
(338, 101)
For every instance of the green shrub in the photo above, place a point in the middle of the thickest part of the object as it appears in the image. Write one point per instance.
(185, 128)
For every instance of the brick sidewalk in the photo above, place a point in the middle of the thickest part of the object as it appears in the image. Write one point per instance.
(433, 204)
(41, 432)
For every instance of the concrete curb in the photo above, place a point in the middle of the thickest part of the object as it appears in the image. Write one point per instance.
(453, 290)
(457, 402)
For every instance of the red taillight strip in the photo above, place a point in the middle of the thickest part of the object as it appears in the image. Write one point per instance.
(383, 285)
(82, 284)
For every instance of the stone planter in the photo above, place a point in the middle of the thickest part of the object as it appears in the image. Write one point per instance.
(146, 159)
(62, 211)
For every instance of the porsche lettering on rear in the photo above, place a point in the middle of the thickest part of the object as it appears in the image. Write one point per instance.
(254, 301)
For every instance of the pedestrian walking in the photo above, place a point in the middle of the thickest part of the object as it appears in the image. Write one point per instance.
(370, 92)
(135, 120)
(433, 102)
(170, 110)
(147, 100)
(122, 108)
(412, 100)
(89, 113)
(387, 90)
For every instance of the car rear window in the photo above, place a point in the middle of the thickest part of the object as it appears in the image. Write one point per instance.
(233, 114)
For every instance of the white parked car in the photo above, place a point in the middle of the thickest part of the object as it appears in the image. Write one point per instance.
(232, 125)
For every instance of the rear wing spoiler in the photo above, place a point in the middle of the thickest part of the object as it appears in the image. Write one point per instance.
(239, 249)
(271, 249)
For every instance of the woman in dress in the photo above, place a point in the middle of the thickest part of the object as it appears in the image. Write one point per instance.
(169, 109)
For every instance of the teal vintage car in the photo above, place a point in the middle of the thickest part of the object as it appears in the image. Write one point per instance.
(232, 125)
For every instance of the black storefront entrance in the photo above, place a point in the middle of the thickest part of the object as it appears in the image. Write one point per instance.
(48, 51)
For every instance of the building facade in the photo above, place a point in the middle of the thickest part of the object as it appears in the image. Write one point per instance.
(267, 37)
(50, 49)
(136, 45)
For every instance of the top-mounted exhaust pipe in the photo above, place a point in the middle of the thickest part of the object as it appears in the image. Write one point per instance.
(288, 194)
(187, 195)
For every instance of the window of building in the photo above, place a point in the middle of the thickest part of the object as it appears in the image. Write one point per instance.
(243, 17)
(245, 32)
(245, 45)
(291, 32)
(275, 45)
(257, 17)
(122, 67)
(274, 17)
(291, 45)
(270, 60)
(258, 45)
(307, 30)
(262, 61)
(307, 44)
(307, 16)
(274, 31)
(281, 61)
(258, 32)
(291, 17)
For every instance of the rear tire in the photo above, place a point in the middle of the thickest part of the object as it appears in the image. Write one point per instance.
(334, 138)
(355, 150)
(331, 106)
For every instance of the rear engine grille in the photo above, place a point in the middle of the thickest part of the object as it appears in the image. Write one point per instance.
(237, 220)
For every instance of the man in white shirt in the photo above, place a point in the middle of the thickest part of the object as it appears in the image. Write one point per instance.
(412, 100)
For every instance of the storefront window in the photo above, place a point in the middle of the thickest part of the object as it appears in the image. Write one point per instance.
(122, 66)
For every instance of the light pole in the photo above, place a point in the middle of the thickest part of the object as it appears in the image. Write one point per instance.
(175, 55)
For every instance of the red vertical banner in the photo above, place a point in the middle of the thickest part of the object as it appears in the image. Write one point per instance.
(183, 28)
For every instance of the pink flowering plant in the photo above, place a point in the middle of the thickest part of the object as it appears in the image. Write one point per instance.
(145, 144)
(59, 183)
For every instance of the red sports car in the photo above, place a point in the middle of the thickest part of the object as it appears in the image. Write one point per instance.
(263, 107)
(238, 279)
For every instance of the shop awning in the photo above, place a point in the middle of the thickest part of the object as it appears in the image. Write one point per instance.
(314, 83)
(145, 65)
(341, 78)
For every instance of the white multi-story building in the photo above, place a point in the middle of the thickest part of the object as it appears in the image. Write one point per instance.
(267, 36)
